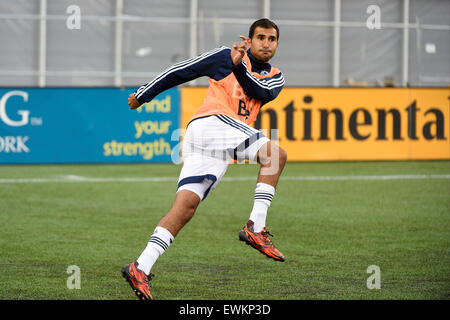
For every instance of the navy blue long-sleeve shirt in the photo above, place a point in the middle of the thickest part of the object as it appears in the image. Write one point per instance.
(217, 64)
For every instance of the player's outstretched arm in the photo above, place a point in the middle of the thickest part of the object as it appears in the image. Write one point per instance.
(207, 64)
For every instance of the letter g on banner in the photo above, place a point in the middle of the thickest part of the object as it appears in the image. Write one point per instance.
(24, 113)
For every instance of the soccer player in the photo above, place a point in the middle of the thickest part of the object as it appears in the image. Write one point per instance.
(241, 82)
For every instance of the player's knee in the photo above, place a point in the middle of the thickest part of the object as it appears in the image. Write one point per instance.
(274, 156)
(184, 214)
(186, 202)
(189, 210)
(280, 156)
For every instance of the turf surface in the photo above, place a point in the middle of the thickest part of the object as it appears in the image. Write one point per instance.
(330, 230)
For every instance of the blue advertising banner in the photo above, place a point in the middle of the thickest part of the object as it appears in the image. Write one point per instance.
(85, 125)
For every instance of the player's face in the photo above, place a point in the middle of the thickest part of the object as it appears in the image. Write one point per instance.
(264, 43)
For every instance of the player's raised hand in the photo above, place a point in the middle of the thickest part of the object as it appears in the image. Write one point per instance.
(238, 51)
(132, 102)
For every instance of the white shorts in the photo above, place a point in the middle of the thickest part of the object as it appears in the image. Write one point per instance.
(209, 145)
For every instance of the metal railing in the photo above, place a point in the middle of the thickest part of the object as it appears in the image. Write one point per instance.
(193, 22)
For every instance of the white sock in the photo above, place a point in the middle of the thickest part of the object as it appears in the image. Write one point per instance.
(157, 245)
(263, 198)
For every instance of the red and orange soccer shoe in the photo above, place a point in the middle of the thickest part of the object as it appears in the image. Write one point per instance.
(260, 241)
(138, 280)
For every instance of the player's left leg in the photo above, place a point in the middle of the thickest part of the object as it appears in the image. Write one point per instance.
(272, 160)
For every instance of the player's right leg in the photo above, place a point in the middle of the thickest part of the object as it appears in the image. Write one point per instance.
(137, 273)
(183, 209)
(198, 176)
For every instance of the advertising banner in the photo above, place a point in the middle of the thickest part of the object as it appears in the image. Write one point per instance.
(331, 124)
(80, 125)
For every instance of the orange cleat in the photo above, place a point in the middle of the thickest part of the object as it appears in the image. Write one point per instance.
(260, 241)
(138, 280)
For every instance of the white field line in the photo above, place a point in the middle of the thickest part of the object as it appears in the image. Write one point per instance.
(73, 178)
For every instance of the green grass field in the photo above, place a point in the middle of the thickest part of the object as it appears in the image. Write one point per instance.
(330, 230)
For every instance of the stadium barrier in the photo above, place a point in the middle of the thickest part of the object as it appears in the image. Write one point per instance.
(333, 124)
(78, 125)
(95, 125)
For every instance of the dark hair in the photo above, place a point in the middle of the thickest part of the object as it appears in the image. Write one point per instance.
(263, 23)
